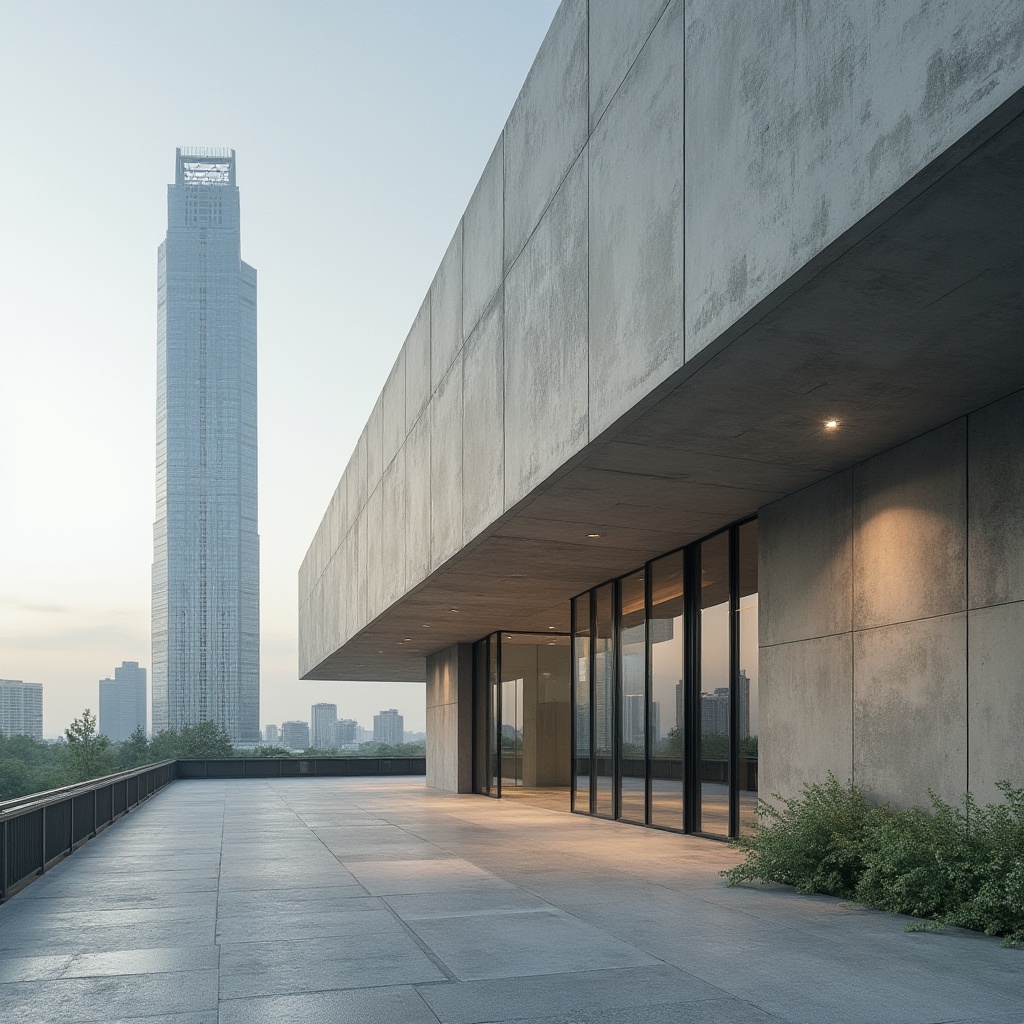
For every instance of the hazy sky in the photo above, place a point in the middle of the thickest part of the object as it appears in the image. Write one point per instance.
(361, 129)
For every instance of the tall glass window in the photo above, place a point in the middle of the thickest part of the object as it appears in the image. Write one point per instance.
(494, 713)
(581, 700)
(668, 692)
(715, 689)
(633, 708)
(604, 702)
(746, 681)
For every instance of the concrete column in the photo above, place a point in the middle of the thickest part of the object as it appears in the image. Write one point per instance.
(450, 719)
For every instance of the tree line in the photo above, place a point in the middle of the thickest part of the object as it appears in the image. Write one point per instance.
(82, 753)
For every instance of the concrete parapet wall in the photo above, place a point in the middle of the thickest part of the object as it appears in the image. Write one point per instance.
(892, 618)
(666, 167)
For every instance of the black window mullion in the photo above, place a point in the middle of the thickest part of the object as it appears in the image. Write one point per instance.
(734, 689)
(691, 676)
(573, 672)
(499, 711)
(615, 651)
(592, 709)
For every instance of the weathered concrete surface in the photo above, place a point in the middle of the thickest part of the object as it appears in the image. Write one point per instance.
(546, 342)
(450, 719)
(636, 229)
(881, 283)
(806, 714)
(341, 900)
(936, 690)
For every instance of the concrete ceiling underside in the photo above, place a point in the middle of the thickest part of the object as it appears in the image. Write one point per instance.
(918, 319)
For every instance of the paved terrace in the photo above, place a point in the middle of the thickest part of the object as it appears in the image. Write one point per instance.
(316, 900)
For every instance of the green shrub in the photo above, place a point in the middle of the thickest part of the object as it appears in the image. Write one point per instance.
(814, 842)
(960, 866)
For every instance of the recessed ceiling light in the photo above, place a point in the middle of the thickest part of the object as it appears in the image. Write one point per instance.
(453, 610)
(407, 640)
(552, 643)
(831, 424)
(593, 536)
(551, 627)
(426, 625)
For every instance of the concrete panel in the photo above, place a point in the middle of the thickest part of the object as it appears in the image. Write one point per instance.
(806, 714)
(910, 710)
(546, 343)
(617, 32)
(355, 478)
(802, 118)
(805, 554)
(636, 230)
(995, 699)
(393, 398)
(375, 541)
(417, 366)
(483, 419)
(357, 580)
(446, 311)
(417, 475)
(375, 446)
(338, 512)
(449, 719)
(995, 439)
(446, 467)
(348, 584)
(548, 125)
(910, 523)
(483, 234)
(395, 514)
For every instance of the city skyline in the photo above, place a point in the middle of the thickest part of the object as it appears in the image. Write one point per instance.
(345, 250)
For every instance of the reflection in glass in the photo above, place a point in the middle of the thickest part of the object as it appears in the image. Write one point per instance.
(668, 692)
(581, 677)
(714, 685)
(511, 729)
(604, 702)
(494, 724)
(746, 695)
(632, 666)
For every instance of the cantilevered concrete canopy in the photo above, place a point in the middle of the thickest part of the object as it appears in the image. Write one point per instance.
(913, 318)
(903, 321)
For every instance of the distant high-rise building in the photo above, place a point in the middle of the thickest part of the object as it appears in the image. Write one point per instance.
(270, 734)
(206, 547)
(324, 723)
(743, 704)
(21, 709)
(388, 727)
(123, 702)
(714, 712)
(295, 735)
(347, 733)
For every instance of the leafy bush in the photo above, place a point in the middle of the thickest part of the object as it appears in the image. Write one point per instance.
(960, 866)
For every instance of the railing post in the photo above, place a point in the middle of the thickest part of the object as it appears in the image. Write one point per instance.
(4, 854)
(71, 837)
(42, 841)
(95, 815)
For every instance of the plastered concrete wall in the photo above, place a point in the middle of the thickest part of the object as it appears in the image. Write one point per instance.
(666, 166)
(450, 719)
(892, 619)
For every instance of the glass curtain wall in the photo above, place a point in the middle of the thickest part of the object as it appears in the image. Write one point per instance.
(522, 713)
(604, 701)
(633, 704)
(665, 698)
(581, 704)
(668, 693)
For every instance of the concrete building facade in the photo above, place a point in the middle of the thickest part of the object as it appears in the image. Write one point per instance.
(388, 727)
(206, 639)
(21, 709)
(123, 702)
(720, 376)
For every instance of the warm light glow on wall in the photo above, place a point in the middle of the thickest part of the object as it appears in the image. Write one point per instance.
(831, 424)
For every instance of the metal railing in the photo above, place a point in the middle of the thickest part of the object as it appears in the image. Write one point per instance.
(292, 767)
(38, 830)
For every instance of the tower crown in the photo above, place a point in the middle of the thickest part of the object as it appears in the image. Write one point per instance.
(203, 165)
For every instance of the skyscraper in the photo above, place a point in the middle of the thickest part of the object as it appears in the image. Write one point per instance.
(206, 546)
(21, 709)
(123, 702)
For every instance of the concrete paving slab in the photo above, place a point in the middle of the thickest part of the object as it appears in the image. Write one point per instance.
(385, 958)
(403, 877)
(356, 1006)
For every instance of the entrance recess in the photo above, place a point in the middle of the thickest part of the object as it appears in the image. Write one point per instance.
(521, 711)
